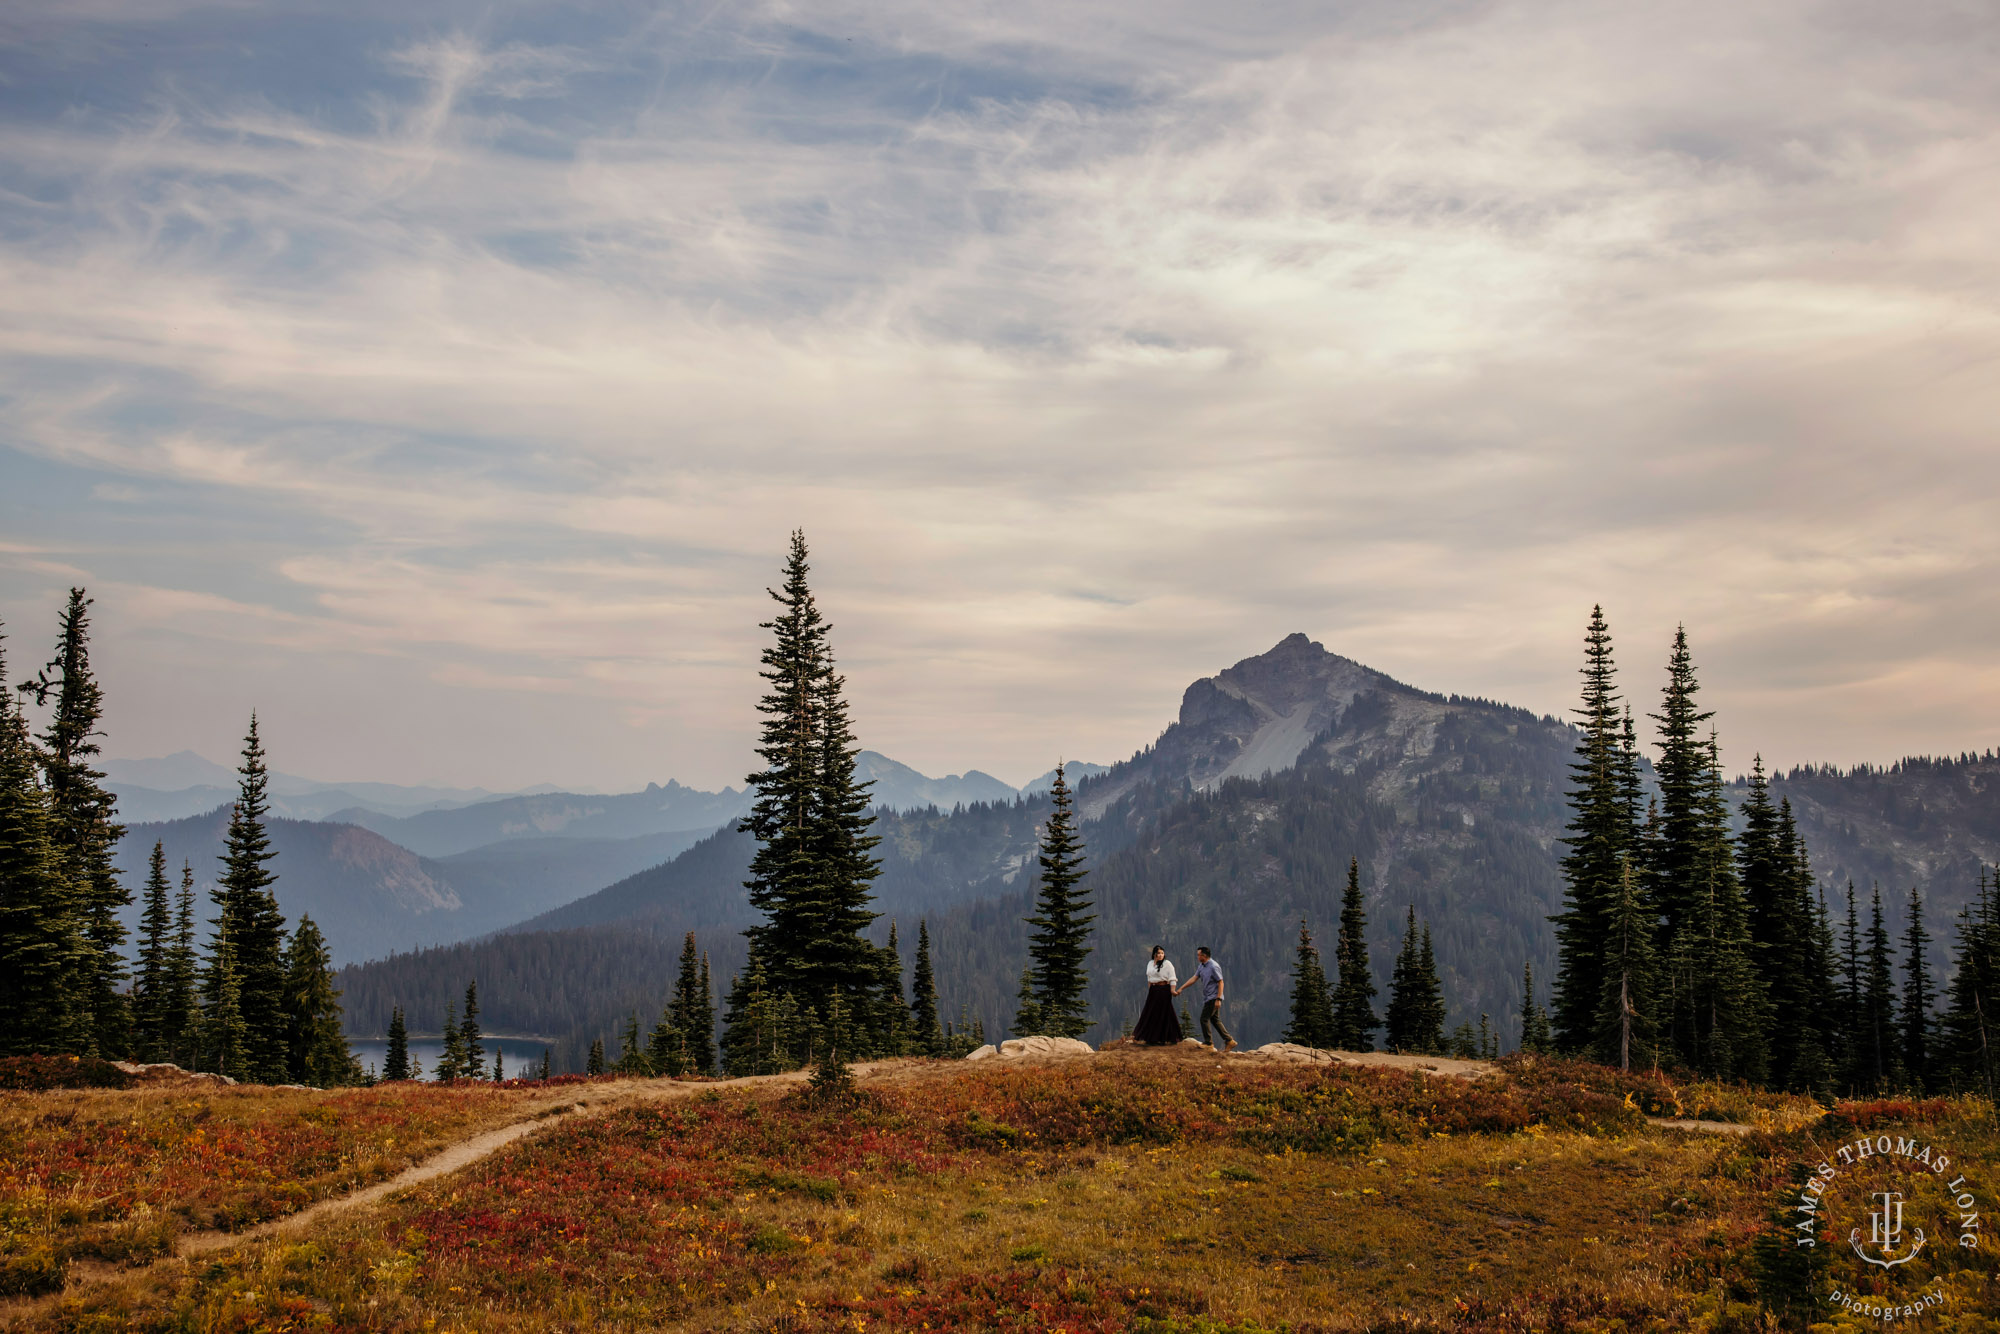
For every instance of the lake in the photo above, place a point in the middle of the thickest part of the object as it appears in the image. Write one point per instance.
(524, 1055)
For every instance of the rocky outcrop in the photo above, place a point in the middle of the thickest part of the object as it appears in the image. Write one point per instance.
(1016, 1048)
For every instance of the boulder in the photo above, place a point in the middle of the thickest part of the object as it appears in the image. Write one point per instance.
(1292, 1051)
(982, 1053)
(1014, 1048)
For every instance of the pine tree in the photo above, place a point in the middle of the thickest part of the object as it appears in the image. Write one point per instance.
(1602, 833)
(1917, 998)
(1728, 1007)
(316, 1042)
(1027, 1010)
(1058, 944)
(180, 1010)
(1312, 1003)
(1780, 924)
(1878, 1070)
(1430, 1031)
(156, 942)
(451, 1060)
(1354, 1019)
(811, 874)
(40, 954)
(1409, 998)
(471, 1047)
(701, 1031)
(82, 831)
(1971, 1027)
(1673, 868)
(1821, 1053)
(594, 1063)
(544, 1075)
(499, 1066)
(1624, 1015)
(225, 1036)
(631, 1052)
(670, 1049)
(1535, 1031)
(892, 1026)
(929, 1033)
(396, 1062)
(249, 919)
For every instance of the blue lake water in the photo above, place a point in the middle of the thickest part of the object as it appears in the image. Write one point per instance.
(524, 1055)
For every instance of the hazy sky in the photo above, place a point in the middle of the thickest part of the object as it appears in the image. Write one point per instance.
(444, 379)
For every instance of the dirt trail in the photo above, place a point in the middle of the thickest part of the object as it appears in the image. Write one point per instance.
(1702, 1127)
(85, 1274)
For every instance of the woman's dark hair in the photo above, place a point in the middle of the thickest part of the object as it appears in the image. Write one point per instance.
(1157, 949)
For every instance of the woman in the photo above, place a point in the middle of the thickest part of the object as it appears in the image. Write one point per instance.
(1157, 1026)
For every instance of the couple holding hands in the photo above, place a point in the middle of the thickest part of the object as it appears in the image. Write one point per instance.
(1157, 1024)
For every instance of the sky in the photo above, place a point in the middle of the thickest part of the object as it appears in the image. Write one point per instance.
(443, 380)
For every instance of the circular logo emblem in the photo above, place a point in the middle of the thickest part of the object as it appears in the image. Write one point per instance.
(1887, 1224)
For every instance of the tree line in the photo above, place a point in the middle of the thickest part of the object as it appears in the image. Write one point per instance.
(1686, 944)
(259, 1004)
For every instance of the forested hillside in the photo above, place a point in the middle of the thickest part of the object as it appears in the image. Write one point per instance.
(1928, 822)
(1226, 832)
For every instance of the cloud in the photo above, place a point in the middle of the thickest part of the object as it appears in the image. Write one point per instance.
(1094, 351)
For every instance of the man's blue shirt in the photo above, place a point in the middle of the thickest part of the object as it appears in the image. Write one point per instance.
(1210, 974)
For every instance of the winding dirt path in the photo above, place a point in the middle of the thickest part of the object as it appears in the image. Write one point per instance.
(84, 1275)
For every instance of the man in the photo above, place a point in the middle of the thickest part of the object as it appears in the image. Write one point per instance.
(1209, 974)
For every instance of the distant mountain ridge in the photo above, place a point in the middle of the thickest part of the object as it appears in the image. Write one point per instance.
(461, 868)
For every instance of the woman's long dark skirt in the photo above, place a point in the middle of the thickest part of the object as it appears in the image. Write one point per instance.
(1158, 1026)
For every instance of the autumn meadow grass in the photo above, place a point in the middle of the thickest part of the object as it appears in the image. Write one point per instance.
(1150, 1192)
(117, 1175)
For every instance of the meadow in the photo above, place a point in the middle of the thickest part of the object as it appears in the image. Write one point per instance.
(1134, 1191)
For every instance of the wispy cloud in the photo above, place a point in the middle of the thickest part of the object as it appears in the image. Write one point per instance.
(1093, 349)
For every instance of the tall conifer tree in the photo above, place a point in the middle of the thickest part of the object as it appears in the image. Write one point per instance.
(472, 1045)
(1673, 867)
(83, 831)
(451, 1060)
(1354, 1018)
(1060, 940)
(1600, 838)
(811, 873)
(180, 1007)
(1312, 1002)
(396, 1061)
(156, 943)
(1415, 1020)
(1878, 1071)
(316, 1038)
(1971, 1027)
(929, 1032)
(248, 918)
(40, 953)
(1430, 1035)
(1917, 998)
(701, 1033)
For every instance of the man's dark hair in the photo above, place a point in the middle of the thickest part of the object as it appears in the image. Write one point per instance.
(1203, 949)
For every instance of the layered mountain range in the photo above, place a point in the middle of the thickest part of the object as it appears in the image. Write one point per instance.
(382, 867)
(1235, 826)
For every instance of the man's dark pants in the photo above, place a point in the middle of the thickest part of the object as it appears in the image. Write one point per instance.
(1211, 1013)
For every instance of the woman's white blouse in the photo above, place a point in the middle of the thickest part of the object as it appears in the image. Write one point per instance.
(1163, 971)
